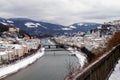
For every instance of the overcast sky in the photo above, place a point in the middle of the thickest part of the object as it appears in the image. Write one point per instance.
(64, 12)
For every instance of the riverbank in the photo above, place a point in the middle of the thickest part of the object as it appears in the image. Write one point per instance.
(12, 68)
(81, 56)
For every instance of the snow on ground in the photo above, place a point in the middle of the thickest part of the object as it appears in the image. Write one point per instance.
(116, 73)
(73, 27)
(12, 68)
(32, 25)
(10, 21)
(3, 23)
(66, 29)
(80, 24)
(71, 50)
(86, 25)
(81, 56)
(69, 28)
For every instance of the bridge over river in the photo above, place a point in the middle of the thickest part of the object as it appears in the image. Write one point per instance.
(49, 67)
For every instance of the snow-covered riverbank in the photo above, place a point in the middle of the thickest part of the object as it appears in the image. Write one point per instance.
(81, 56)
(116, 73)
(12, 68)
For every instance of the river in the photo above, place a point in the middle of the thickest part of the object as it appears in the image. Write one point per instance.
(52, 66)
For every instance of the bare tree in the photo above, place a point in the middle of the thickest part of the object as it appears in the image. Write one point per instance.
(71, 66)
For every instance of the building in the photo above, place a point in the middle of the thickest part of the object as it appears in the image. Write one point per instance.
(12, 29)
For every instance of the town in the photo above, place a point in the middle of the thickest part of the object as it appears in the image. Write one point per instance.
(17, 45)
(93, 39)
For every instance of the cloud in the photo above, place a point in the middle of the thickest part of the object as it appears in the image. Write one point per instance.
(63, 12)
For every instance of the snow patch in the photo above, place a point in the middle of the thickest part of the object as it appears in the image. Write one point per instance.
(73, 27)
(116, 73)
(3, 23)
(32, 25)
(81, 56)
(80, 24)
(66, 29)
(10, 21)
(44, 27)
(71, 50)
(86, 25)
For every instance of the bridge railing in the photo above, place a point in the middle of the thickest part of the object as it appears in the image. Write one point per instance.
(101, 68)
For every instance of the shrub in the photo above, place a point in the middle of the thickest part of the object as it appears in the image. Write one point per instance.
(114, 41)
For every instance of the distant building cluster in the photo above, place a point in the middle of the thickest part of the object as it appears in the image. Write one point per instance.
(11, 29)
(10, 51)
(93, 39)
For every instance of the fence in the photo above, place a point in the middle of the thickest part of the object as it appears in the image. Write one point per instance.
(101, 68)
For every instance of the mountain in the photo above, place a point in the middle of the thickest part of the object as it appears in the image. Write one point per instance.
(33, 27)
(39, 27)
(84, 26)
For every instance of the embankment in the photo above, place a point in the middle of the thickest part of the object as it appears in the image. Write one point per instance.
(12, 68)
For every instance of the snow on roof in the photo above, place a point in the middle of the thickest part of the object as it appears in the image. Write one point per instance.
(24, 45)
(9, 51)
(16, 46)
(98, 39)
(5, 53)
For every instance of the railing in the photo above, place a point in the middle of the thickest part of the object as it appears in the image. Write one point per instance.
(101, 68)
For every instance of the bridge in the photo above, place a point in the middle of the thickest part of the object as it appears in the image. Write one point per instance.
(54, 50)
(58, 47)
(55, 46)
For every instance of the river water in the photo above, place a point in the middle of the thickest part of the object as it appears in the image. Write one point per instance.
(52, 66)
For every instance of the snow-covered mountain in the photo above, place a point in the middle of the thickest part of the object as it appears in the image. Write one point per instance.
(39, 27)
(84, 27)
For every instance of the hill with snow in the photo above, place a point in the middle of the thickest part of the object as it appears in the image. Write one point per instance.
(39, 27)
(84, 27)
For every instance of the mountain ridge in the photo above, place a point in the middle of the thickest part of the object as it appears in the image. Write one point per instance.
(39, 27)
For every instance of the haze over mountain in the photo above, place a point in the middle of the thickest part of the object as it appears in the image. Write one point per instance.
(39, 27)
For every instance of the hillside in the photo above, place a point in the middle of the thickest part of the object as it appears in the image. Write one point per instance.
(39, 27)
(11, 31)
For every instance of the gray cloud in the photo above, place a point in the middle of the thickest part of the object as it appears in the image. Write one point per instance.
(62, 11)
